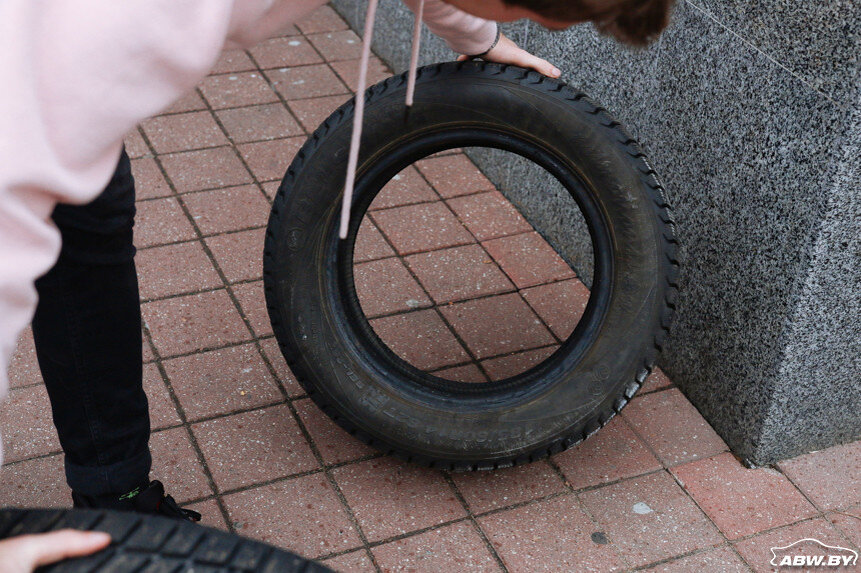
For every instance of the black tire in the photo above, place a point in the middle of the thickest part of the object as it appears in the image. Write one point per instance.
(150, 544)
(386, 402)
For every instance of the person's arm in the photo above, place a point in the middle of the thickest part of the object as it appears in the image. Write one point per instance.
(78, 75)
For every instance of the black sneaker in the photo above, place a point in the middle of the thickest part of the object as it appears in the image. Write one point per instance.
(144, 499)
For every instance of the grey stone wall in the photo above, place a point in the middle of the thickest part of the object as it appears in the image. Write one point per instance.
(751, 113)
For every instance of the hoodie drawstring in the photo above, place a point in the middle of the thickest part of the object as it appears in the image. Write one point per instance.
(358, 118)
(414, 57)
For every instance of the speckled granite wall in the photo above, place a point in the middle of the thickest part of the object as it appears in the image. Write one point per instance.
(749, 111)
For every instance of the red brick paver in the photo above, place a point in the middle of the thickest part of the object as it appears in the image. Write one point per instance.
(465, 289)
(743, 501)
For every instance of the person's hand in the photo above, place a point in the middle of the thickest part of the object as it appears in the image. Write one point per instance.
(507, 52)
(24, 553)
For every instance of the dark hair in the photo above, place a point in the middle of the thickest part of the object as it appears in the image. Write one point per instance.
(635, 22)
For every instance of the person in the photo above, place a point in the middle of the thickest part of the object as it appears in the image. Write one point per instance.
(84, 72)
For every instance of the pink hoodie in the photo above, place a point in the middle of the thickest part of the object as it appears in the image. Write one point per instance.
(79, 74)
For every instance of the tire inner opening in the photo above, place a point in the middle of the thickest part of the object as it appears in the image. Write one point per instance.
(452, 276)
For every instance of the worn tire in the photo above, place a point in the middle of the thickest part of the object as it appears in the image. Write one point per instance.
(151, 544)
(384, 401)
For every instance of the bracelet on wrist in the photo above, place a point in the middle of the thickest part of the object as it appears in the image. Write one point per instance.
(493, 45)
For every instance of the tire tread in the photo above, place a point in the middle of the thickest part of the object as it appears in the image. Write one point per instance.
(649, 178)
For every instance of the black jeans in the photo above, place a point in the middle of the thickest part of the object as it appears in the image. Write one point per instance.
(87, 330)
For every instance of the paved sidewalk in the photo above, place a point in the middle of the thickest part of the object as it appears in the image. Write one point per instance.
(443, 255)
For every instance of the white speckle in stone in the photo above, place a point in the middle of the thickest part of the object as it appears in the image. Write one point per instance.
(233, 78)
(413, 303)
(641, 508)
(298, 82)
(294, 43)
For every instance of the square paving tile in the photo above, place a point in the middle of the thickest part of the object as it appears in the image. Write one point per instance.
(454, 175)
(269, 160)
(149, 180)
(423, 227)
(757, 551)
(560, 305)
(183, 132)
(722, 559)
(259, 123)
(302, 515)
(457, 547)
(306, 81)
(205, 169)
(210, 512)
(135, 144)
(348, 70)
(146, 350)
(421, 338)
(175, 464)
(497, 325)
(35, 483)
(613, 453)
(231, 209)
(848, 522)
(528, 259)
(742, 501)
(162, 411)
(333, 442)
(271, 188)
(830, 478)
(460, 273)
(672, 427)
(323, 19)
(174, 269)
(468, 373)
(26, 424)
(285, 52)
(486, 491)
(282, 371)
(657, 380)
(355, 562)
(239, 255)
(553, 535)
(221, 381)
(314, 111)
(391, 498)
(233, 61)
(370, 244)
(637, 515)
(237, 90)
(24, 366)
(194, 322)
(253, 303)
(514, 364)
(161, 221)
(257, 446)
(489, 215)
(385, 286)
(339, 45)
(189, 101)
(405, 188)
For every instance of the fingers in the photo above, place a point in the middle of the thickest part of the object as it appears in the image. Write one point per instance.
(541, 66)
(49, 548)
(507, 52)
